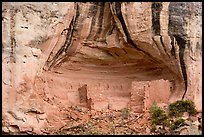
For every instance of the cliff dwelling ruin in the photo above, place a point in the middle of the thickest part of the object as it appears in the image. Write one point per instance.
(96, 55)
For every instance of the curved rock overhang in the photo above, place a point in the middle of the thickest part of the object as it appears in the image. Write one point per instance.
(103, 44)
(102, 49)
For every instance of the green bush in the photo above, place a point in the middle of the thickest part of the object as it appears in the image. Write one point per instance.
(158, 116)
(125, 112)
(181, 106)
(178, 123)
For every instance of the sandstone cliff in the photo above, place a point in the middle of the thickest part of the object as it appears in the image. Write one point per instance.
(123, 52)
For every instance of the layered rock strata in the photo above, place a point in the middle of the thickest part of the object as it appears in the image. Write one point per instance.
(52, 50)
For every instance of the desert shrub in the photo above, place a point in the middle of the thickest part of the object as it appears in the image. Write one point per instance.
(158, 116)
(178, 123)
(125, 112)
(180, 106)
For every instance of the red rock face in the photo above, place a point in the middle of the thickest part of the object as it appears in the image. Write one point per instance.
(98, 56)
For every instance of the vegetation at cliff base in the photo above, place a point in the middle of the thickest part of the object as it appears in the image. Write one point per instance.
(172, 118)
(178, 123)
(180, 106)
(159, 116)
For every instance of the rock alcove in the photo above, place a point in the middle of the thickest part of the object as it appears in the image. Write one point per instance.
(98, 55)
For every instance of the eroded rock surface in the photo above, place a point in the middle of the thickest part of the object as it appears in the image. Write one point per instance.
(96, 55)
